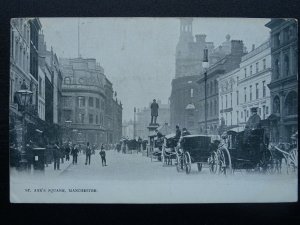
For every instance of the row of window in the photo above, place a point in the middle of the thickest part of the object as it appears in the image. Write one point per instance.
(251, 94)
(93, 119)
(257, 68)
(262, 112)
(19, 54)
(284, 36)
(290, 104)
(92, 102)
(283, 65)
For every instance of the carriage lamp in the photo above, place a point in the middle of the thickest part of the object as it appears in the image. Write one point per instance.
(23, 95)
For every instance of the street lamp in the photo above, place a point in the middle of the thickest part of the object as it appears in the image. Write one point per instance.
(134, 125)
(205, 65)
(23, 95)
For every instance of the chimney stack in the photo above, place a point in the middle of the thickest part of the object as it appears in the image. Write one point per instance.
(237, 47)
(253, 47)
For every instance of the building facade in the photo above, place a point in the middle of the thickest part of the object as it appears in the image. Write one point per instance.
(184, 104)
(117, 120)
(252, 82)
(23, 71)
(87, 102)
(228, 100)
(284, 80)
(188, 67)
(210, 102)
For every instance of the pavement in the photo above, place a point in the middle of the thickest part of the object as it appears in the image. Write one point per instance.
(50, 172)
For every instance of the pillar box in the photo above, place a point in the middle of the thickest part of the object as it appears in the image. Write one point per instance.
(39, 159)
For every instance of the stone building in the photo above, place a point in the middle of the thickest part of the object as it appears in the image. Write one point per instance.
(50, 76)
(228, 100)
(253, 80)
(87, 101)
(284, 80)
(113, 114)
(184, 104)
(23, 71)
(188, 62)
(224, 65)
(117, 120)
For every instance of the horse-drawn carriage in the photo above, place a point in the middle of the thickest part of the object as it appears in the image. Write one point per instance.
(132, 145)
(195, 149)
(154, 147)
(286, 151)
(169, 149)
(247, 150)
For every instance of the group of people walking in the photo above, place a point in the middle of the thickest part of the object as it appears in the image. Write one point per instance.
(59, 153)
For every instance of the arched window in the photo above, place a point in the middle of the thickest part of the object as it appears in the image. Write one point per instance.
(276, 105)
(291, 103)
(216, 86)
(215, 108)
(286, 65)
(277, 68)
(67, 80)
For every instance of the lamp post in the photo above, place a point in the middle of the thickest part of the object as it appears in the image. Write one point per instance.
(205, 65)
(134, 125)
(24, 95)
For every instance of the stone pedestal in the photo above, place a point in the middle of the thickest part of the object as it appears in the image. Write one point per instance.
(151, 135)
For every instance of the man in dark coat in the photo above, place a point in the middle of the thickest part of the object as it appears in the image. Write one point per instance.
(56, 156)
(103, 155)
(254, 120)
(154, 111)
(88, 153)
(74, 153)
(67, 152)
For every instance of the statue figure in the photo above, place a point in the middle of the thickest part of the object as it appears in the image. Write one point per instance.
(154, 111)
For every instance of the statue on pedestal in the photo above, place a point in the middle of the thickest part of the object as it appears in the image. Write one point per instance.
(154, 111)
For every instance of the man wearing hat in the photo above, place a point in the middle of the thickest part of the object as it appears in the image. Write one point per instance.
(254, 120)
(154, 111)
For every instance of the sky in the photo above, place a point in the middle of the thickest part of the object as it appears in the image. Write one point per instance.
(138, 54)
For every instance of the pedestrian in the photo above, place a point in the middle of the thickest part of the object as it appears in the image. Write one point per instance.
(62, 153)
(88, 153)
(67, 152)
(103, 155)
(56, 156)
(74, 153)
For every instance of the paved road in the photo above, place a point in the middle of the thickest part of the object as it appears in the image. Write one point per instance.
(121, 167)
(133, 178)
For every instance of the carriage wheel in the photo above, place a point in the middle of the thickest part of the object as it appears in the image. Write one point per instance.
(213, 163)
(292, 160)
(187, 162)
(225, 161)
(179, 166)
(163, 157)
